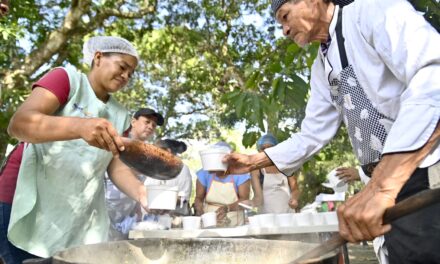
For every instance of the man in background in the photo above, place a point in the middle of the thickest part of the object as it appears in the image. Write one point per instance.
(121, 208)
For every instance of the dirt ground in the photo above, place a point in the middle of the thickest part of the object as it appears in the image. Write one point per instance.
(362, 254)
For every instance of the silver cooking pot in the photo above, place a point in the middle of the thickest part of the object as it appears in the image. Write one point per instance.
(199, 250)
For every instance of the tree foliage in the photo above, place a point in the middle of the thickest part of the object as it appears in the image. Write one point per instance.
(207, 65)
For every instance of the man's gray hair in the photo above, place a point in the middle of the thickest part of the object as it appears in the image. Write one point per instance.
(276, 4)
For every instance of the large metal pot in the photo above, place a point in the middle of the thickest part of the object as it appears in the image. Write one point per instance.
(200, 250)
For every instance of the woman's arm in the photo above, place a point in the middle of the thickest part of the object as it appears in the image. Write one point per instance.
(126, 181)
(34, 123)
(294, 192)
(200, 198)
(257, 189)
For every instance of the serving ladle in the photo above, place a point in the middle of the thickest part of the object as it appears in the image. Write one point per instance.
(150, 160)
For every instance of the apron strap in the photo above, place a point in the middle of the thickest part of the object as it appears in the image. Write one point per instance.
(341, 40)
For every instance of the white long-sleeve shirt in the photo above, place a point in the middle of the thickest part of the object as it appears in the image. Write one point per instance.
(396, 56)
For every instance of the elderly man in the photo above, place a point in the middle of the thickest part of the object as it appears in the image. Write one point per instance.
(376, 71)
(121, 208)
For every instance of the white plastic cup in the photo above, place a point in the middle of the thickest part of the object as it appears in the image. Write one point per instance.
(165, 220)
(303, 219)
(266, 220)
(318, 219)
(330, 218)
(212, 158)
(253, 222)
(284, 220)
(209, 219)
(162, 197)
(333, 182)
(191, 222)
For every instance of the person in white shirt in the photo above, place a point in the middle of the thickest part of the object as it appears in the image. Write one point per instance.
(377, 71)
(122, 209)
(184, 179)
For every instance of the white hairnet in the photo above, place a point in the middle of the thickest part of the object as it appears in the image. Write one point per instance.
(107, 44)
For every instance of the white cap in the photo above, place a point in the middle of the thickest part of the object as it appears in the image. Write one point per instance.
(107, 44)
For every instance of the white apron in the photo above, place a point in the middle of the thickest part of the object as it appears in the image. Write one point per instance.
(220, 194)
(276, 193)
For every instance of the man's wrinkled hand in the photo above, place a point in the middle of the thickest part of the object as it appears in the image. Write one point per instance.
(238, 163)
(360, 218)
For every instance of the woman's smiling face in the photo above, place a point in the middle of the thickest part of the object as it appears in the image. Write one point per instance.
(117, 71)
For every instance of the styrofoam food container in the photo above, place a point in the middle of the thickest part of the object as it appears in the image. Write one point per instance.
(253, 221)
(330, 218)
(191, 222)
(209, 219)
(162, 197)
(333, 182)
(303, 219)
(318, 219)
(266, 220)
(165, 220)
(284, 220)
(212, 158)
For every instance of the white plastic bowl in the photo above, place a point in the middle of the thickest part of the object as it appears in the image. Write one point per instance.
(162, 197)
(191, 222)
(333, 182)
(285, 220)
(303, 219)
(253, 221)
(330, 218)
(212, 158)
(318, 219)
(266, 220)
(209, 219)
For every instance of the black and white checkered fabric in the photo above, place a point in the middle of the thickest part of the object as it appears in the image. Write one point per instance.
(367, 127)
(276, 4)
(342, 3)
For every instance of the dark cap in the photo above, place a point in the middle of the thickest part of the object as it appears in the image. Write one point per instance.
(149, 112)
(276, 4)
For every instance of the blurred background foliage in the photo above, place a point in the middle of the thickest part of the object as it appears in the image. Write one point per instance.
(209, 66)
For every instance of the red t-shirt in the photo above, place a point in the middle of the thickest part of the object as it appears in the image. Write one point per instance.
(9, 173)
(57, 82)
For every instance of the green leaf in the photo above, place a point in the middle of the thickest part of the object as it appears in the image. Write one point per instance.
(275, 67)
(296, 92)
(249, 139)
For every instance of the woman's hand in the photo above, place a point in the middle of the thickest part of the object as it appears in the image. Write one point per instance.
(348, 174)
(221, 212)
(293, 201)
(198, 207)
(100, 133)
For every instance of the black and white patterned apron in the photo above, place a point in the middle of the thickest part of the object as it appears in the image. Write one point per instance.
(414, 238)
(367, 127)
